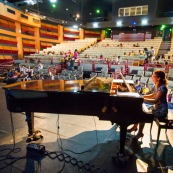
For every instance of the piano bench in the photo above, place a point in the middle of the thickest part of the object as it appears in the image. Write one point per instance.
(166, 123)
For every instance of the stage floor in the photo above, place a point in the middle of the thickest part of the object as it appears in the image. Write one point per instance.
(78, 144)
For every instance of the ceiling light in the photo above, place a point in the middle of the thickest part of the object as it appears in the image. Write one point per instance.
(53, 1)
(31, 2)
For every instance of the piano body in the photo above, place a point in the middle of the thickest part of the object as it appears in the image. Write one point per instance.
(80, 97)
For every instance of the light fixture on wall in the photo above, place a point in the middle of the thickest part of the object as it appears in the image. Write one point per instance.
(95, 25)
(119, 23)
(144, 22)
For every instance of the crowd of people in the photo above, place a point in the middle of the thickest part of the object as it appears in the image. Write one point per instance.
(23, 73)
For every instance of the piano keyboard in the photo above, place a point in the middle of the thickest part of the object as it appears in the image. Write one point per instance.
(147, 108)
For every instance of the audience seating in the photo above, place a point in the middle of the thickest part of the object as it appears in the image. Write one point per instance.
(148, 74)
(140, 73)
(143, 80)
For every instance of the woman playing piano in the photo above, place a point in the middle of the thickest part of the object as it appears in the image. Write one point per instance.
(158, 98)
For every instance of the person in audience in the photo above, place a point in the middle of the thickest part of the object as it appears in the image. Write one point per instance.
(38, 76)
(75, 54)
(146, 52)
(40, 66)
(101, 57)
(71, 64)
(140, 52)
(118, 60)
(138, 85)
(158, 98)
(11, 77)
(69, 52)
(23, 68)
(162, 56)
(169, 97)
(152, 54)
(145, 90)
(137, 45)
(23, 76)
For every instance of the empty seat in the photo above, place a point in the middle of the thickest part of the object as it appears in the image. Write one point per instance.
(140, 73)
(135, 78)
(80, 68)
(143, 80)
(128, 77)
(148, 74)
(170, 84)
(100, 74)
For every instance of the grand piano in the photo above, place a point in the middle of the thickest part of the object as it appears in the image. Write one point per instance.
(123, 105)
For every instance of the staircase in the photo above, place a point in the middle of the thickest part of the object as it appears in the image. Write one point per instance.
(164, 47)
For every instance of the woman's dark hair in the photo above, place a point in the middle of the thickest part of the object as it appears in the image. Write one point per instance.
(162, 76)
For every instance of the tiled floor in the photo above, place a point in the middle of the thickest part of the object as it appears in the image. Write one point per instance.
(82, 140)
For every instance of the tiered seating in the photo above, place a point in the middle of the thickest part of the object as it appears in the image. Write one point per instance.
(8, 45)
(49, 31)
(28, 46)
(27, 30)
(70, 45)
(44, 45)
(7, 25)
(6, 63)
(170, 53)
(28, 51)
(111, 49)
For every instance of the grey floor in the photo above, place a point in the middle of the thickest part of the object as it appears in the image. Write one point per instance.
(80, 144)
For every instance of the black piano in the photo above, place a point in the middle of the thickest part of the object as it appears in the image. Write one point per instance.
(80, 97)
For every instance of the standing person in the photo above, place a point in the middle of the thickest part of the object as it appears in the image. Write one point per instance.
(146, 52)
(75, 54)
(152, 53)
(71, 64)
(158, 98)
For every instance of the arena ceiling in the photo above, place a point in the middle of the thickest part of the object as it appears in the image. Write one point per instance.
(88, 10)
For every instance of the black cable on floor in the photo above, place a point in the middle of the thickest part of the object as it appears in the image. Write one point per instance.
(74, 161)
(8, 156)
(66, 158)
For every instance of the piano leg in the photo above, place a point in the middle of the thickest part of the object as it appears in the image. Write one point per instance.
(30, 122)
(120, 158)
(33, 134)
(123, 130)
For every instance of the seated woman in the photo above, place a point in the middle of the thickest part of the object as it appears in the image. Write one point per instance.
(158, 98)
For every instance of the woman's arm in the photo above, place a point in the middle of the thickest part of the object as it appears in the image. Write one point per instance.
(154, 100)
(149, 96)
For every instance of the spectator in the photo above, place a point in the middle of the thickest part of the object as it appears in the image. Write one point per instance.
(152, 54)
(146, 52)
(138, 85)
(145, 90)
(75, 54)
